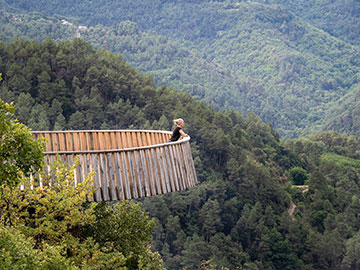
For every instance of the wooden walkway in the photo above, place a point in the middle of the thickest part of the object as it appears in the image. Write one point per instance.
(129, 164)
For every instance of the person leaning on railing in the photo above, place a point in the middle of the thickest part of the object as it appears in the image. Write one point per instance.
(178, 132)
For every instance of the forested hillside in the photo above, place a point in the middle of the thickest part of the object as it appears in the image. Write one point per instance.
(252, 56)
(338, 18)
(245, 214)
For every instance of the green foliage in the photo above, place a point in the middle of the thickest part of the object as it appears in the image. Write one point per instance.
(123, 227)
(297, 176)
(20, 155)
(17, 252)
(55, 223)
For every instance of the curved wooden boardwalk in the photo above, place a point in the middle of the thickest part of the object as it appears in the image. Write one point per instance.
(129, 164)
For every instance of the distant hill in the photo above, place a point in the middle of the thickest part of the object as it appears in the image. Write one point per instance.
(339, 18)
(255, 57)
(344, 115)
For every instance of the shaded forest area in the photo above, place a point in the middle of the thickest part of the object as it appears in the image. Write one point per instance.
(238, 217)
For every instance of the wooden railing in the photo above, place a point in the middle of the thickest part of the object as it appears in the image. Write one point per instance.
(128, 163)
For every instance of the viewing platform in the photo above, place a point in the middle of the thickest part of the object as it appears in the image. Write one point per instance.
(129, 164)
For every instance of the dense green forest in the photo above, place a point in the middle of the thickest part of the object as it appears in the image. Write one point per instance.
(286, 61)
(245, 214)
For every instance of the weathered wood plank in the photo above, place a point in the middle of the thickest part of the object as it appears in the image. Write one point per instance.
(55, 142)
(174, 175)
(139, 174)
(179, 159)
(101, 140)
(119, 176)
(82, 141)
(192, 165)
(161, 170)
(95, 141)
(185, 166)
(166, 168)
(145, 168)
(112, 184)
(156, 168)
(95, 166)
(104, 177)
(49, 145)
(133, 182)
(89, 141)
(113, 141)
(69, 141)
(151, 169)
(127, 179)
(118, 140)
(139, 142)
(77, 145)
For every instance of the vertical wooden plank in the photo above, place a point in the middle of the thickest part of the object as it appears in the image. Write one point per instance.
(161, 170)
(69, 141)
(55, 142)
(179, 166)
(130, 139)
(107, 141)
(119, 140)
(146, 180)
(124, 140)
(81, 167)
(163, 138)
(95, 166)
(139, 139)
(152, 138)
(87, 170)
(77, 145)
(104, 178)
(146, 139)
(89, 140)
(192, 165)
(156, 137)
(126, 175)
(119, 176)
(82, 141)
(155, 164)
(49, 146)
(61, 141)
(173, 168)
(111, 177)
(113, 140)
(139, 169)
(151, 171)
(166, 168)
(87, 164)
(101, 140)
(95, 141)
(133, 184)
(185, 166)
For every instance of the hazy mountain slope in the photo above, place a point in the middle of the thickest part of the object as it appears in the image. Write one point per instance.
(169, 62)
(344, 115)
(300, 68)
(248, 56)
(340, 18)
